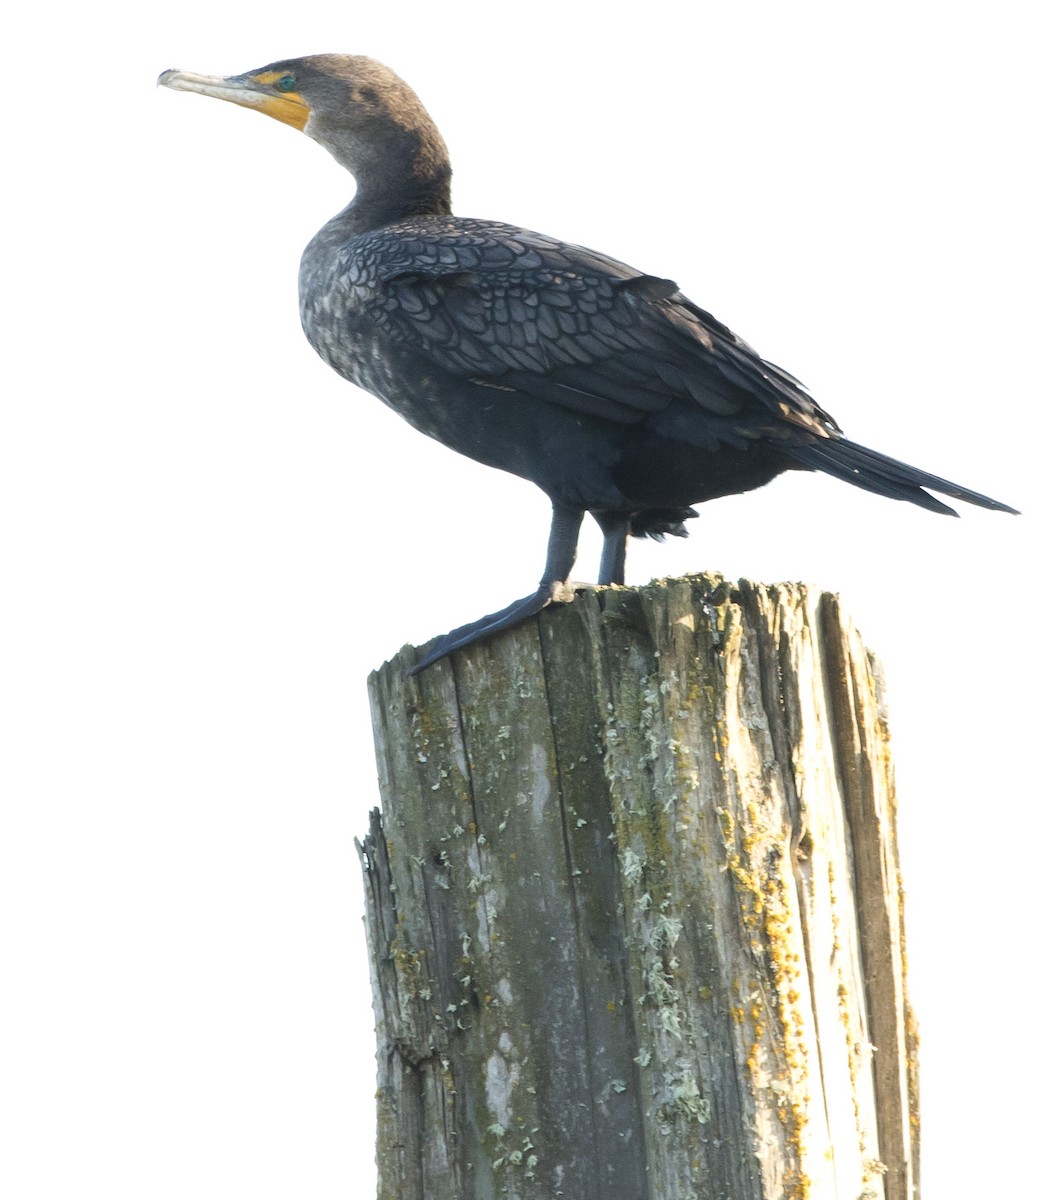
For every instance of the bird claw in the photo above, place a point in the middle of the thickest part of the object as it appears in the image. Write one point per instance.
(497, 622)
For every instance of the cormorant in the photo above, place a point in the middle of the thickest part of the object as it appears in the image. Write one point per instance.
(607, 388)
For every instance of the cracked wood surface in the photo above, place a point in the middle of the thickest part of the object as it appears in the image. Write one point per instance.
(633, 908)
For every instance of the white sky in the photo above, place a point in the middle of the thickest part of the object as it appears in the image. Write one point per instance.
(209, 539)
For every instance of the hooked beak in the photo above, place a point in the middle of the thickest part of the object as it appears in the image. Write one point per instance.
(251, 91)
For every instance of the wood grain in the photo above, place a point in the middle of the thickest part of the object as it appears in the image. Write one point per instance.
(634, 910)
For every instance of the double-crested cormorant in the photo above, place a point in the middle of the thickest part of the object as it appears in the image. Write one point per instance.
(607, 388)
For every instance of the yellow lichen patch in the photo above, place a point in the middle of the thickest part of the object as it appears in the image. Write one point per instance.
(754, 851)
(910, 1023)
(834, 908)
(797, 1185)
(853, 1059)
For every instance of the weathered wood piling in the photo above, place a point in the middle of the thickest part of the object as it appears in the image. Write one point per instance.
(634, 909)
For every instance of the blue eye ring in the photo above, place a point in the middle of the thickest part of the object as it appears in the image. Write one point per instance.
(287, 83)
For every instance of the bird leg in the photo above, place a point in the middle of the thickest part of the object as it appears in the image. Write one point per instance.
(616, 528)
(560, 557)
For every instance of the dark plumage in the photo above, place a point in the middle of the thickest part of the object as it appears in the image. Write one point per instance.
(607, 388)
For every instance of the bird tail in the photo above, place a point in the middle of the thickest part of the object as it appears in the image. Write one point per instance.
(886, 476)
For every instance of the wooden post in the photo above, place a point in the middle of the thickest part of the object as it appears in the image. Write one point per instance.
(634, 909)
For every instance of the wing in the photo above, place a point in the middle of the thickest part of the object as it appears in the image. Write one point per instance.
(516, 311)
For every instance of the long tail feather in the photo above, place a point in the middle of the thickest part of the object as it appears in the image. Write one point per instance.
(887, 476)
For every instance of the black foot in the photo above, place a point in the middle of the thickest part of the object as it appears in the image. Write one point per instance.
(495, 622)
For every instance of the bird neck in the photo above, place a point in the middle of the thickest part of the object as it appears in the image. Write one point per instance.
(403, 172)
(380, 200)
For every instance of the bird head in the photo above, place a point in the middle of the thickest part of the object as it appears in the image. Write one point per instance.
(355, 107)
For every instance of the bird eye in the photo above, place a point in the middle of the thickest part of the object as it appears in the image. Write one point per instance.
(287, 83)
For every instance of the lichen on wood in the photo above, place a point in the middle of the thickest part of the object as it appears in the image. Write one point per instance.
(633, 908)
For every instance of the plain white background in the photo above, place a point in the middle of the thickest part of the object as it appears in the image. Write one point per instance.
(208, 539)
